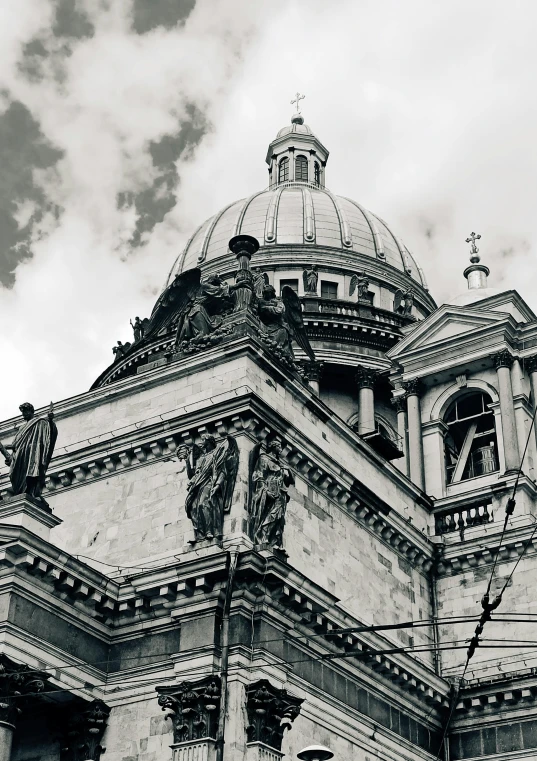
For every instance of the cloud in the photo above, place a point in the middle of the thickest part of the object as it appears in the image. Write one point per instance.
(157, 120)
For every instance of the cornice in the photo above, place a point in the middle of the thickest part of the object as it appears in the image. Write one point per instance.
(489, 699)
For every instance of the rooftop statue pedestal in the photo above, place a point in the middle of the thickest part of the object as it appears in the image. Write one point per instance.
(258, 751)
(194, 750)
(21, 510)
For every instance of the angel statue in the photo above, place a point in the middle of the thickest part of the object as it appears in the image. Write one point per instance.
(361, 284)
(403, 302)
(269, 494)
(194, 307)
(311, 278)
(31, 452)
(260, 281)
(212, 470)
(282, 318)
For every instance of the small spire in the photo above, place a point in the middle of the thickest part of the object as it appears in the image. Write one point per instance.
(476, 273)
(297, 117)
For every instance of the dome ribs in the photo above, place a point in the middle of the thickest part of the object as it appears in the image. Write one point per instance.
(375, 232)
(272, 213)
(208, 233)
(242, 213)
(346, 235)
(309, 216)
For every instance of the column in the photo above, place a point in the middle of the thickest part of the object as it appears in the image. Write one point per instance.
(365, 378)
(400, 407)
(503, 361)
(271, 711)
(17, 680)
(434, 459)
(415, 442)
(312, 374)
(84, 730)
(531, 369)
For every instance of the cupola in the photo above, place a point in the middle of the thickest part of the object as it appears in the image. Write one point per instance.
(296, 155)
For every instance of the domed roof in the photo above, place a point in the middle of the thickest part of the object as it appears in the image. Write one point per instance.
(295, 127)
(299, 214)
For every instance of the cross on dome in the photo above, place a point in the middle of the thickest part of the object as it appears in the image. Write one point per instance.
(298, 97)
(474, 251)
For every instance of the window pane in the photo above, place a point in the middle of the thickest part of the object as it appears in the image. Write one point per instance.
(328, 289)
(291, 283)
(301, 168)
(283, 170)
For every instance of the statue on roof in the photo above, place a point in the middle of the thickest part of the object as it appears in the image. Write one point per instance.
(212, 470)
(282, 319)
(138, 328)
(193, 307)
(120, 350)
(403, 302)
(30, 453)
(310, 277)
(360, 283)
(260, 281)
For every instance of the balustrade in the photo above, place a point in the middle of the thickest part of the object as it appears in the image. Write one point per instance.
(462, 518)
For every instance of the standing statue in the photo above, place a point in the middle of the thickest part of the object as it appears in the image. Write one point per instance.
(212, 470)
(120, 350)
(260, 281)
(269, 494)
(361, 284)
(137, 329)
(193, 307)
(282, 318)
(403, 302)
(31, 452)
(311, 279)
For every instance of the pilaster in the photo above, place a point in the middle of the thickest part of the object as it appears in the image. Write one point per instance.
(503, 361)
(415, 441)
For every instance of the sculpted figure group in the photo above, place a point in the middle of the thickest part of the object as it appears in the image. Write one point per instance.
(212, 473)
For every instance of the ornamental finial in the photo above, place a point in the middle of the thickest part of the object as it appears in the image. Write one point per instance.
(298, 97)
(474, 251)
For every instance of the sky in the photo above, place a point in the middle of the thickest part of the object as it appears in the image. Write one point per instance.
(125, 123)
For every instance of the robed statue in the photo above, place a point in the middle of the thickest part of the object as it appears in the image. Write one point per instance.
(212, 470)
(260, 281)
(191, 306)
(30, 453)
(310, 277)
(269, 490)
(282, 319)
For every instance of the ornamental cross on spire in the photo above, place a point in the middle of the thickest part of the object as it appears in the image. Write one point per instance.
(472, 239)
(298, 97)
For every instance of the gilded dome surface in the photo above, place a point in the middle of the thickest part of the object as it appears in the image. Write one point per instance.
(299, 214)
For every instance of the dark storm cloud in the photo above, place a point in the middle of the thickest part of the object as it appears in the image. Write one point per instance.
(24, 149)
(153, 203)
(150, 14)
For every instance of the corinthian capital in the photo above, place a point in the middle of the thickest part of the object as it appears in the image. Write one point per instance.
(366, 377)
(270, 712)
(502, 358)
(413, 387)
(530, 363)
(17, 681)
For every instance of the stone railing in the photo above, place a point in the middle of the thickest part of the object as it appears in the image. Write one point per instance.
(462, 518)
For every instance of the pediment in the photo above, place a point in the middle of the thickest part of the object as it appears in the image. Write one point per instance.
(444, 326)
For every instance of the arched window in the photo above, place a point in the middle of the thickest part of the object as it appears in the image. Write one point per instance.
(471, 446)
(317, 173)
(301, 168)
(283, 170)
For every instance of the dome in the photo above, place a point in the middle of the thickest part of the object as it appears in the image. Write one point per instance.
(472, 295)
(295, 128)
(302, 215)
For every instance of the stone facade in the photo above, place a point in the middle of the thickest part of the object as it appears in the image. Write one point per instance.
(382, 469)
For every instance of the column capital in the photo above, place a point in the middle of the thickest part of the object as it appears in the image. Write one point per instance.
(84, 731)
(16, 681)
(366, 377)
(399, 403)
(312, 370)
(502, 358)
(530, 363)
(413, 387)
(191, 705)
(270, 712)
